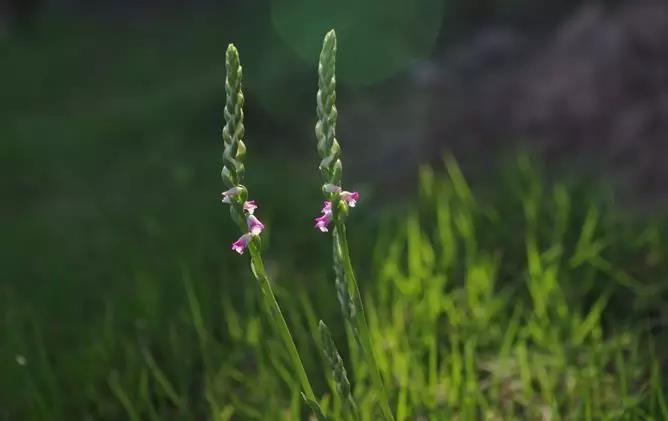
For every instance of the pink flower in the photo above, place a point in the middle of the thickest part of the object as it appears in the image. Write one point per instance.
(230, 194)
(250, 206)
(350, 198)
(254, 225)
(240, 245)
(322, 222)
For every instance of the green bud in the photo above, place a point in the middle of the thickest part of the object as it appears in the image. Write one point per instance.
(325, 128)
(233, 132)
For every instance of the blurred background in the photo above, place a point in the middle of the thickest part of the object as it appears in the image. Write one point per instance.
(110, 146)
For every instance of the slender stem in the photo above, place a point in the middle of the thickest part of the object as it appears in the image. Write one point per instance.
(364, 335)
(275, 313)
(354, 409)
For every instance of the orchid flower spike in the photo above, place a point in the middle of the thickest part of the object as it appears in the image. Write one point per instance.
(240, 245)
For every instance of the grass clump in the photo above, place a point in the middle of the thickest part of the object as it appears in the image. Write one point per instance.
(472, 325)
(467, 322)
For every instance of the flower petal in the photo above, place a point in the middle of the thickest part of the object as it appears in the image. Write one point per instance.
(327, 206)
(331, 188)
(350, 198)
(240, 245)
(230, 194)
(323, 221)
(254, 225)
(250, 206)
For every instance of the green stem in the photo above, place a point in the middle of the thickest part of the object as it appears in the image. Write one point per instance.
(359, 319)
(354, 409)
(275, 313)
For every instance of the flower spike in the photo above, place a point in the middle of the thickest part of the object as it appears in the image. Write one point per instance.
(325, 132)
(335, 211)
(243, 213)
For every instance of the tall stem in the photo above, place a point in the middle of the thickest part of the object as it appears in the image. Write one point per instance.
(275, 314)
(361, 328)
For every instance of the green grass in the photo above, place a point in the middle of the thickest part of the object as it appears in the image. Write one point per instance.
(478, 309)
(120, 298)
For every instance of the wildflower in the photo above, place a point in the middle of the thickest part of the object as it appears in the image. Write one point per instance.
(240, 245)
(255, 227)
(326, 206)
(250, 206)
(231, 194)
(350, 198)
(233, 174)
(323, 221)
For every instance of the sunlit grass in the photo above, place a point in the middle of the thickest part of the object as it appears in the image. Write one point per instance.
(468, 323)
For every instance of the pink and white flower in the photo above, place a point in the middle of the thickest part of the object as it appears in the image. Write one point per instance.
(323, 221)
(350, 198)
(255, 227)
(240, 245)
(231, 194)
(250, 206)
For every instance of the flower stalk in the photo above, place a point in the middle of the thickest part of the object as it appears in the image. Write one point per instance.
(337, 206)
(243, 211)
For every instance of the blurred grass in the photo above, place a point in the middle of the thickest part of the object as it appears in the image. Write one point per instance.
(120, 298)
